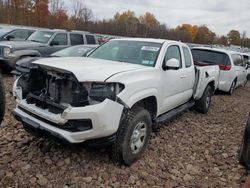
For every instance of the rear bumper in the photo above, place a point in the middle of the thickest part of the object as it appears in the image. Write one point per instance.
(224, 86)
(105, 118)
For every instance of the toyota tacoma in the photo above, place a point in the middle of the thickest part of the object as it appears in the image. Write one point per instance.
(118, 94)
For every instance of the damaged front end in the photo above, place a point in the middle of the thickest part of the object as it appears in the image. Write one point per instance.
(51, 90)
(58, 90)
(55, 101)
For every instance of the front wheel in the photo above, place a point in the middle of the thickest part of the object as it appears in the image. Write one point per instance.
(132, 136)
(203, 104)
(244, 152)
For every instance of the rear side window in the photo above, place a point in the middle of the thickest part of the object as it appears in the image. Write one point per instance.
(237, 59)
(76, 39)
(187, 57)
(210, 57)
(90, 39)
(173, 52)
(61, 38)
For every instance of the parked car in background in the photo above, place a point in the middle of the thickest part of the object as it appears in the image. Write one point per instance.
(244, 152)
(15, 33)
(42, 43)
(2, 99)
(74, 51)
(233, 71)
(246, 58)
(117, 95)
(23, 65)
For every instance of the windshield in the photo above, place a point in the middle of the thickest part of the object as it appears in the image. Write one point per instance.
(4, 31)
(41, 36)
(74, 51)
(135, 52)
(210, 57)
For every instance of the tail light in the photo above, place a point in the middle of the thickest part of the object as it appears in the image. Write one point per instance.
(225, 67)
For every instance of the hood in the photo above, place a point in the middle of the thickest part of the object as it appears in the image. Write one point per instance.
(20, 44)
(88, 69)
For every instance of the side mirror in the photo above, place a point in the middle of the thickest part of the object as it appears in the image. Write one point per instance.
(9, 37)
(54, 43)
(171, 64)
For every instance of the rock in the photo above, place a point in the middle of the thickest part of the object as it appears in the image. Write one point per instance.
(33, 180)
(27, 167)
(131, 180)
(116, 184)
(87, 179)
(225, 155)
(192, 170)
(187, 177)
(42, 181)
(9, 174)
(67, 161)
(60, 163)
(48, 161)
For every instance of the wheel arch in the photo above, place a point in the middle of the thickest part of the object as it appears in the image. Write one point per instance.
(150, 104)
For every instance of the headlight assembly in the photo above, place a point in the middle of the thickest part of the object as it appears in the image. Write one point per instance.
(98, 92)
(6, 52)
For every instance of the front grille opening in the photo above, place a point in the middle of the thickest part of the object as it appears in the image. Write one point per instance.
(54, 91)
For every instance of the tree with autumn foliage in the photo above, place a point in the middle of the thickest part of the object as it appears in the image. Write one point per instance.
(54, 14)
(234, 37)
(41, 12)
(149, 21)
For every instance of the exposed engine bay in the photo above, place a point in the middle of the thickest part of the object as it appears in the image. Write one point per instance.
(57, 90)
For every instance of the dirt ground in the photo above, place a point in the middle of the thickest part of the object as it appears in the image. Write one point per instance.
(194, 150)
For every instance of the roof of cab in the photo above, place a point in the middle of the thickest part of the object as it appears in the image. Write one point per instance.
(149, 40)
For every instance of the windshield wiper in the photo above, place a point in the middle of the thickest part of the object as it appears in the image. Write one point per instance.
(35, 41)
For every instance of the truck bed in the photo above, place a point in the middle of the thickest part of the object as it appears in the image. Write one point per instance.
(203, 76)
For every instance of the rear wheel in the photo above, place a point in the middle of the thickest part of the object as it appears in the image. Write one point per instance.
(247, 80)
(132, 136)
(2, 99)
(203, 104)
(232, 88)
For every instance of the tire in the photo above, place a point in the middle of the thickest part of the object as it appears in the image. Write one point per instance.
(244, 152)
(203, 104)
(136, 122)
(232, 88)
(247, 80)
(2, 99)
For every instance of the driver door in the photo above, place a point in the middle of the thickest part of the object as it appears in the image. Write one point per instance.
(174, 81)
(60, 41)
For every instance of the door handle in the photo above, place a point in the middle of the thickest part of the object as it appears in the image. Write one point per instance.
(182, 77)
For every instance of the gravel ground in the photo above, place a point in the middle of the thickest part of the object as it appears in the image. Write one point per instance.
(194, 150)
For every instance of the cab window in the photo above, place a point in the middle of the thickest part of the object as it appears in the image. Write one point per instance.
(187, 57)
(61, 39)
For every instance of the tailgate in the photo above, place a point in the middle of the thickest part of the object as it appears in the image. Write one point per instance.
(204, 76)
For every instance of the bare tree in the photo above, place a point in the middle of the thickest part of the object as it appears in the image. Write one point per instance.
(55, 6)
(81, 14)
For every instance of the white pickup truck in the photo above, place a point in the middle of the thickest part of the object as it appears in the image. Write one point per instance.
(123, 90)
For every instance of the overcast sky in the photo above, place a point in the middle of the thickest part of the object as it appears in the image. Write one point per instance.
(219, 15)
